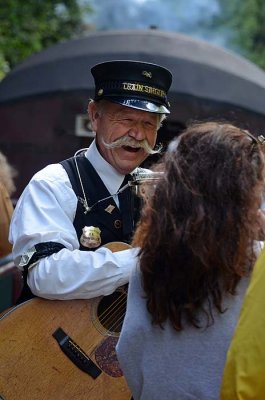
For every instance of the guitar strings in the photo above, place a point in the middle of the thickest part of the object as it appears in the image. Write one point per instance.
(117, 321)
(116, 307)
(107, 314)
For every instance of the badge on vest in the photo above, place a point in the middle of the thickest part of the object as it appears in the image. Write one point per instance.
(90, 237)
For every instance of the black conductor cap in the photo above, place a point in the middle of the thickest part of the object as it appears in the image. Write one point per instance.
(134, 84)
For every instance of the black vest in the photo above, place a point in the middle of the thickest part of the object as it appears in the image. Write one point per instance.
(115, 224)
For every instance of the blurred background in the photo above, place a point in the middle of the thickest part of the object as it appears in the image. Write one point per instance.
(214, 48)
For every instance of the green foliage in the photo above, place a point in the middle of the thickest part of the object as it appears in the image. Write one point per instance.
(29, 26)
(246, 21)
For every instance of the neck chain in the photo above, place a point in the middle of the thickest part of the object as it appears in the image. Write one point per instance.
(83, 200)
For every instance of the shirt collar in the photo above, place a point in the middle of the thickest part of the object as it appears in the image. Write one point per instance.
(110, 177)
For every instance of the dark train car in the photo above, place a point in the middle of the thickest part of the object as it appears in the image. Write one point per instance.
(43, 101)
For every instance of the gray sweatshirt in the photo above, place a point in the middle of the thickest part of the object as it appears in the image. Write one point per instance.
(168, 365)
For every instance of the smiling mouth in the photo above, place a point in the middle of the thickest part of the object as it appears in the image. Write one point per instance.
(131, 149)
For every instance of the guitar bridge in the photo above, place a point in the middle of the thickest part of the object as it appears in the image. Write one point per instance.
(76, 354)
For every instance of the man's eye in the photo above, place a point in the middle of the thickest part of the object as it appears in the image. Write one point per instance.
(149, 124)
(127, 121)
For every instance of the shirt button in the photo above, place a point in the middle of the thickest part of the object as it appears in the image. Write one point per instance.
(117, 224)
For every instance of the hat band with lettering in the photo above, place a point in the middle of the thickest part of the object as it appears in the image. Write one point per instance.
(135, 95)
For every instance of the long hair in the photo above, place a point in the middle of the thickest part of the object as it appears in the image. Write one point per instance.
(197, 229)
(7, 174)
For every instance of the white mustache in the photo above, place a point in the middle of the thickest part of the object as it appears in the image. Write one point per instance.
(127, 141)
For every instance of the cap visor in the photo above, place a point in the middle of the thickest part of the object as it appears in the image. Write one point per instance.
(140, 105)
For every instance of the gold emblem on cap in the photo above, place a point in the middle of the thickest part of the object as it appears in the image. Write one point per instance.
(90, 237)
(147, 74)
(100, 92)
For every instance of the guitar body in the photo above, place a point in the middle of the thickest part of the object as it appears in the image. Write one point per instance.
(32, 363)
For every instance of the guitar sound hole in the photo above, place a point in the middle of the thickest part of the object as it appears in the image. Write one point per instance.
(111, 311)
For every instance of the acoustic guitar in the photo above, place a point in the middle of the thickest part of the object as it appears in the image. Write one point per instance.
(63, 350)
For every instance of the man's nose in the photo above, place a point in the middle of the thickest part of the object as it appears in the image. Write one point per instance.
(137, 131)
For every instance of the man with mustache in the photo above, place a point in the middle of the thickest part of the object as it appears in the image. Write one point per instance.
(71, 209)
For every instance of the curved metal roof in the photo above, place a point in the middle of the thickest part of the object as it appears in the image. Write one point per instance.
(199, 69)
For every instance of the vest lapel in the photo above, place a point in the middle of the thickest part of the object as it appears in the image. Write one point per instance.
(106, 210)
(115, 224)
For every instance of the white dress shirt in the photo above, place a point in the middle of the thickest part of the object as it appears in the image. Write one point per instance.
(45, 213)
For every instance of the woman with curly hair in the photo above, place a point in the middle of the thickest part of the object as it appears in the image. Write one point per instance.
(196, 251)
(7, 188)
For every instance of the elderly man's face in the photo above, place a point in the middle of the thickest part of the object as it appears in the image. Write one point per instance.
(112, 122)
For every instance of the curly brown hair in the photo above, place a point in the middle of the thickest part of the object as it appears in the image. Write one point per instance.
(196, 231)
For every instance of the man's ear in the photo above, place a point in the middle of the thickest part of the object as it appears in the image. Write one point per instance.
(93, 115)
